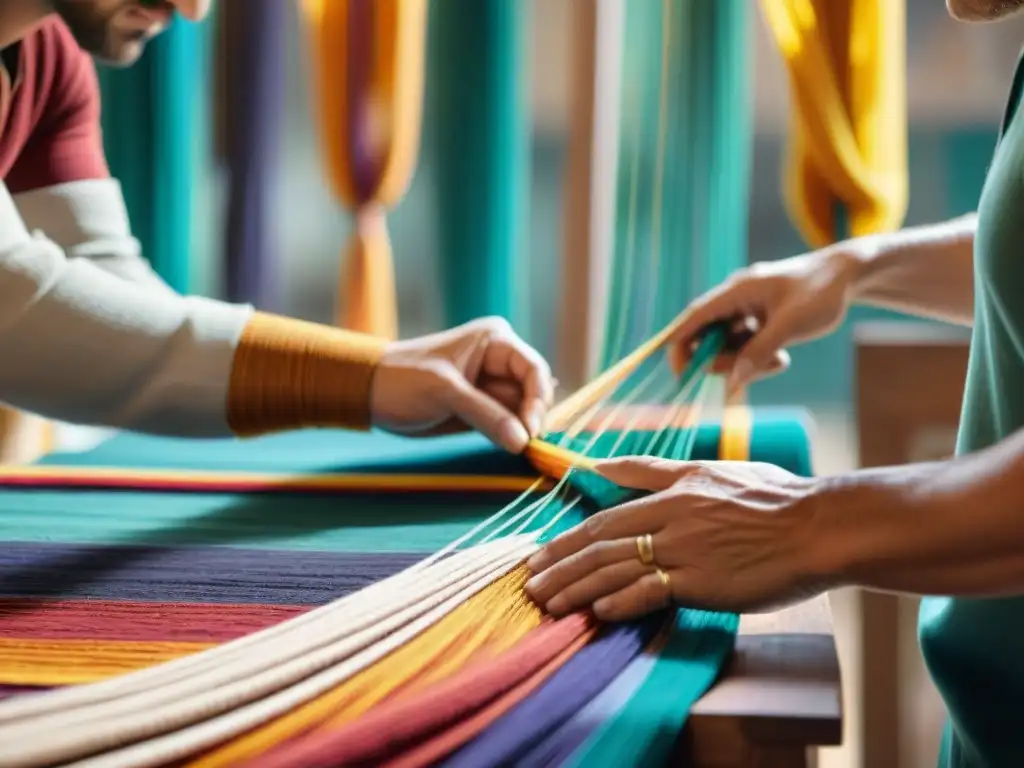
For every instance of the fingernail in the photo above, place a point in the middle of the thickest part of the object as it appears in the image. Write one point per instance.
(740, 373)
(533, 420)
(537, 563)
(556, 605)
(534, 584)
(513, 435)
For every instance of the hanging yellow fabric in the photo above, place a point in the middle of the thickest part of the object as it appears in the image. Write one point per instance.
(389, 100)
(846, 61)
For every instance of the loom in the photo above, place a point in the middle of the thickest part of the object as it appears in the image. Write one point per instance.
(319, 599)
(334, 599)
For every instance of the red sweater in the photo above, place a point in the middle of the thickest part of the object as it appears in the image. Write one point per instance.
(51, 117)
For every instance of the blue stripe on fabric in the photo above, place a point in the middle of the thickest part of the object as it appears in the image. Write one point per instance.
(554, 750)
(582, 678)
(190, 574)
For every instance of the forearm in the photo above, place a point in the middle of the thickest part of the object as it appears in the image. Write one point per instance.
(945, 528)
(81, 345)
(926, 271)
(89, 220)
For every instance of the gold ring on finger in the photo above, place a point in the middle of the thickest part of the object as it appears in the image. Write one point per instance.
(645, 547)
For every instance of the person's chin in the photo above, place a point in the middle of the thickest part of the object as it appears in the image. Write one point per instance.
(981, 11)
(123, 55)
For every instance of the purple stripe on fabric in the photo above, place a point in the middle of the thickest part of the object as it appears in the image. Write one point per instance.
(9, 691)
(190, 574)
(360, 87)
(559, 746)
(254, 153)
(582, 678)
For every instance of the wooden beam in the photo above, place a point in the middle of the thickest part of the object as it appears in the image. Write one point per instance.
(910, 383)
(597, 31)
(778, 700)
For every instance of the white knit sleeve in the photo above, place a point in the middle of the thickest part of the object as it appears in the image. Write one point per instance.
(81, 345)
(89, 220)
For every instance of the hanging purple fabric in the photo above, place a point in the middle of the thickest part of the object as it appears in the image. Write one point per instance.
(362, 17)
(256, 69)
(570, 689)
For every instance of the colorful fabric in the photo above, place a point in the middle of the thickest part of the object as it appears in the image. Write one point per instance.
(97, 583)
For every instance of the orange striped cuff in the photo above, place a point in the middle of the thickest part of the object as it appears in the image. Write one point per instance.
(290, 374)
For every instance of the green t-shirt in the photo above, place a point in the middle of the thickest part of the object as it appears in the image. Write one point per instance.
(974, 649)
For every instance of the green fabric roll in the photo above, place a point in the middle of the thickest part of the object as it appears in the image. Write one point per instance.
(149, 125)
(779, 436)
(481, 134)
(782, 436)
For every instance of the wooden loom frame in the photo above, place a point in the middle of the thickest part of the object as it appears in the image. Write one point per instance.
(909, 391)
(780, 697)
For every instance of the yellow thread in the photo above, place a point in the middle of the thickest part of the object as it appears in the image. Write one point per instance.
(554, 461)
(71, 662)
(484, 626)
(734, 443)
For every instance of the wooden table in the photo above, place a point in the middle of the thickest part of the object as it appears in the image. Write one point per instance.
(779, 698)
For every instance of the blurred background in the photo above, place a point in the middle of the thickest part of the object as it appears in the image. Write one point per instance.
(956, 78)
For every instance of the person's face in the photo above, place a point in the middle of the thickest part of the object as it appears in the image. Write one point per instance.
(983, 10)
(116, 31)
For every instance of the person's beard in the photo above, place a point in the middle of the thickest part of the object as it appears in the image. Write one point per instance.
(95, 32)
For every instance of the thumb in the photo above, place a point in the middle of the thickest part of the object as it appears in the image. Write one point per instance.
(641, 472)
(485, 414)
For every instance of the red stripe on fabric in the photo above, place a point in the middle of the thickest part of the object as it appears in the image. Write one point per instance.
(460, 734)
(38, 619)
(405, 722)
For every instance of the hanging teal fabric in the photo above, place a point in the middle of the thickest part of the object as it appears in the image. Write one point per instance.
(480, 158)
(149, 120)
(684, 162)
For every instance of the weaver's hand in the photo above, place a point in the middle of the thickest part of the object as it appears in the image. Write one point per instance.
(789, 301)
(731, 536)
(479, 376)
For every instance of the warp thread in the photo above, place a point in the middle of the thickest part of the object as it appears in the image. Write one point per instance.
(394, 728)
(581, 679)
(481, 628)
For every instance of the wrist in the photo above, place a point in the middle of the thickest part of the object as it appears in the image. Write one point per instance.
(820, 552)
(855, 262)
(290, 374)
(867, 525)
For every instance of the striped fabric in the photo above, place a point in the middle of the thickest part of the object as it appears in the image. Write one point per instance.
(101, 579)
